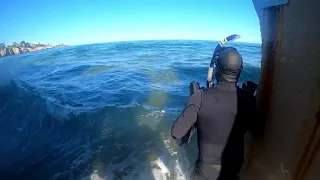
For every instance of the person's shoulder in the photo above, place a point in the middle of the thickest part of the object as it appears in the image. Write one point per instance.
(248, 88)
(196, 98)
(197, 93)
(213, 88)
(245, 95)
(243, 92)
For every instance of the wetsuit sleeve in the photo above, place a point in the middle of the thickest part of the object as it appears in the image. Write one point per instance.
(188, 116)
(254, 121)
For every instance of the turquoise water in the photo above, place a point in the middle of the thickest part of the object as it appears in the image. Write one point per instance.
(102, 111)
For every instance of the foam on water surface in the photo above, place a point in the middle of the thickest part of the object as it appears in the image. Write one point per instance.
(103, 111)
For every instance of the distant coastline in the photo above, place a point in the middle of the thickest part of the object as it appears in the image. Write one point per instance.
(24, 47)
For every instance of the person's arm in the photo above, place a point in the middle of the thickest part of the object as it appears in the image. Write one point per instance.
(188, 117)
(255, 125)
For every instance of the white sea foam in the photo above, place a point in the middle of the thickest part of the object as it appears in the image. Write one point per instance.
(56, 111)
(164, 165)
(90, 143)
(151, 119)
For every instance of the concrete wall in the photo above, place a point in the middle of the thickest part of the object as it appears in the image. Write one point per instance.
(288, 94)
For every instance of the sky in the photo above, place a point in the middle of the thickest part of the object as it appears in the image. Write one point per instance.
(75, 22)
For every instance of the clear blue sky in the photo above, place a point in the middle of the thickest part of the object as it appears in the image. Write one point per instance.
(92, 21)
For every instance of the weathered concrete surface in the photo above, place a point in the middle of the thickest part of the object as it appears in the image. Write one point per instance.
(288, 94)
(308, 168)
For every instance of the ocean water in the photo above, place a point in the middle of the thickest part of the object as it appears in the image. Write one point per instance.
(103, 111)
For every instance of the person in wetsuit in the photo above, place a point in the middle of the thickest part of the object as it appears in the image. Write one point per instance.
(222, 115)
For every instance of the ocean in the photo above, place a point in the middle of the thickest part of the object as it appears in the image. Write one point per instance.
(103, 111)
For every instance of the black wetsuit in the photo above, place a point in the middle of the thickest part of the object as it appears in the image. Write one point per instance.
(222, 115)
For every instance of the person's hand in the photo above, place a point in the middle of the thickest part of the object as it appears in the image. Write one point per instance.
(194, 86)
(250, 86)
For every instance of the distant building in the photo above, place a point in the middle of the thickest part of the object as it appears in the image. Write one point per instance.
(15, 44)
(2, 46)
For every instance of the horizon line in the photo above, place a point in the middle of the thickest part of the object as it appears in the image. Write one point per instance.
(133, 40)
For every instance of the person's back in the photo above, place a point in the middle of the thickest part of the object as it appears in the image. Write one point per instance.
(215, 118)
(233, 154)
(215, 111)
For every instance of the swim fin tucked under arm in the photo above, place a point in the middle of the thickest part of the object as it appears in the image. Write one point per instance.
(194, 86)
(186, 139)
